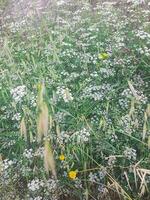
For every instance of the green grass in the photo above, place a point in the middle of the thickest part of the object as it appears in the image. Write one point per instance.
(98, 109)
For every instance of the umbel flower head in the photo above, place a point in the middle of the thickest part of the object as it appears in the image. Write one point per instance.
(72, 174)
(103, 56)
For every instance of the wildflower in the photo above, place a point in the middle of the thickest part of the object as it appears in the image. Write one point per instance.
(61, 157)
(64, 93)
(18, 93)
(72, 175)
(81, 136)
(103, 56)
(130, 153)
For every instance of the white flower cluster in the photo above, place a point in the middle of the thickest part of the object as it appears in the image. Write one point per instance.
(18, 93)
(113, 137)
(72, 77)
(136, 2)
(93, 177)
(64, 93)
(39, 152)
(78, 183)
(111, 160)
(127, 93)
(139, 82)
(125, 122)
(142, 34)
(98, 176)
(119, 41)
(60, 2)
(35, 184)
(101, 188)
(106, 72)
(96, 92)
(81, 136)
(5, 171)
(64, 137)
(130, 153)
(25, 170)
(28, 153)
(77, 137)
(16, 26)
(5, 164)
(124, 103)
(33, 100)
(52, 185)
(95, 120)
(59, 116)
(144, 51)
(36, 198)
(11, 143)
(16, 117)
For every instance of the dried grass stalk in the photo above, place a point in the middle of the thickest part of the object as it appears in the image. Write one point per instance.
(41, 92)
(144, 127)
(58, 130)
(42, 122)
(148, 142)
(148, 110)
(134, 92)
(1, 164)
(132, 108)
(23, 130)
(50, 122)
(49, 161)
(144, 131)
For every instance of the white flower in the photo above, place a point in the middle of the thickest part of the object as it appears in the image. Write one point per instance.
(18, 93)
(5, 164)
(130, 153)
(136, 2)
(81, 136)
(111, 160)
(60, 2)
(28, 153)
(35, 184)
(17, 117)
(97, 177)
(64, 93)
(64, 137)
(96, 92)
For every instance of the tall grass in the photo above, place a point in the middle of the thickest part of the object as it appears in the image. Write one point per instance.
(65, 107)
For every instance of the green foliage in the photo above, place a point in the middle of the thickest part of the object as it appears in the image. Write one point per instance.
(95, 68)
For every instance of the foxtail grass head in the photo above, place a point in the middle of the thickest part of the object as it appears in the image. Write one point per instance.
(41, 93)
(49, 162)
(23, 130)
(42, 122)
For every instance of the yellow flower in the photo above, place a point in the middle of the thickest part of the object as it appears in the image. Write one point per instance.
(103, 56)
(61, 157)
(72, 175)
